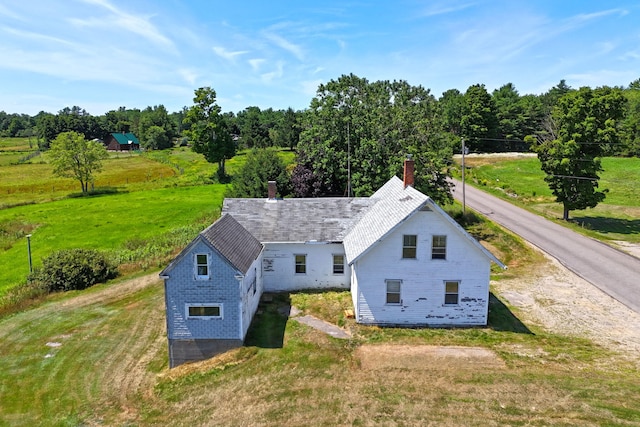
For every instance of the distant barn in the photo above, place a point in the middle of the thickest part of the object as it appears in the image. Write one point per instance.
(122, 142)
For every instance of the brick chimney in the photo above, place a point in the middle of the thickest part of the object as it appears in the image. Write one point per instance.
(271, 190)
(408, 171)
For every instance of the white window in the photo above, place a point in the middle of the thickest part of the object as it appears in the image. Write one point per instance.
(301, 264)
(409, 246)
(439, 247)
(338, 264)
(393, 292)
(203, 311)
(202, 266)
(451, 292)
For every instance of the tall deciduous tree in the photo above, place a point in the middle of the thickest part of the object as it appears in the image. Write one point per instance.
(262, 165)
(586, 122)
(150, 136)
(208, 133)
(631, 123)
(363, 130)
(72, 156)
(156, 138)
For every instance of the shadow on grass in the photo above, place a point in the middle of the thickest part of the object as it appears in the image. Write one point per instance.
(270, 321)
(608, 225)
(101, 191)
(502, 319)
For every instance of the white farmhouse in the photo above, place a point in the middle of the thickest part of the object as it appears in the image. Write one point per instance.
(406, 262)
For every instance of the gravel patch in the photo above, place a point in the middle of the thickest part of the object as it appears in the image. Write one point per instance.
(560, 301)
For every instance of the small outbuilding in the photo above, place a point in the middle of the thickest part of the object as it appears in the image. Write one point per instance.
(122, 142)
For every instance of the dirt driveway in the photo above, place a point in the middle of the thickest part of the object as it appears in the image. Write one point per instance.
(562, 302)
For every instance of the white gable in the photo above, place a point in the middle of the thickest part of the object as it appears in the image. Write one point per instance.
(393, 204)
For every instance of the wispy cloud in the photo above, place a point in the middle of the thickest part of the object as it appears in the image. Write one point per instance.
(41, 38)
(630, 55)
(140, 25)
(228, 55)
(284, 44)
(256, 63)
(443, 9)
(310, 87)
(190, 76)
(277, 73)
(585, 17)
(6, 12)
(595, 78)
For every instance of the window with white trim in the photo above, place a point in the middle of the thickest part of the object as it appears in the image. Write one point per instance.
(393, 292)
(202, 266)
(409, 246)
(301, 264)
(338, 264)
(203, 311)
(451, 292)
(439, 247)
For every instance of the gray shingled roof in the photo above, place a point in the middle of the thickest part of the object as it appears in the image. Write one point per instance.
(393, 204)
(359, 223)
(233, 242)
(298, 220)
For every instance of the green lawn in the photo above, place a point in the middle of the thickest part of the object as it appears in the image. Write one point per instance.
(151, 198)
(104, 222)
(99, 357)
(521, 181)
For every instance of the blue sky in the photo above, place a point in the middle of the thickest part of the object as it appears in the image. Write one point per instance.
(103, 54)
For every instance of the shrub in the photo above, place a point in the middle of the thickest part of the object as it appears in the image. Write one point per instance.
(73, 269)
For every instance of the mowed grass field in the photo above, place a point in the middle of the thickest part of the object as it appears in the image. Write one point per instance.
(99, 357)
(155, 199)
(521, 181)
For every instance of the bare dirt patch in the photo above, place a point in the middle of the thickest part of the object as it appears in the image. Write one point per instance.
(632, 249)
(426, 357)
(559, 301)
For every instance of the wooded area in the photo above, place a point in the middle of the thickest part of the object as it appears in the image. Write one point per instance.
(355, 133)
(489, 121)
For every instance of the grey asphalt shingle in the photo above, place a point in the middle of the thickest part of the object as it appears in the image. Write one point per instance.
(325, 219)
(233, 242)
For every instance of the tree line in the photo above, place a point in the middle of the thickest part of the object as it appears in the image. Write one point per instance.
(355, 133)
(488, 121)
(155, 127)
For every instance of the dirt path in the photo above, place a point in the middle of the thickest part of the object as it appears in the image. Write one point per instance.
(112, 292)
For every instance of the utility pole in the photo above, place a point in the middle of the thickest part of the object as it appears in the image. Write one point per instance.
(29, 252)
(464, 201)
(348, 163)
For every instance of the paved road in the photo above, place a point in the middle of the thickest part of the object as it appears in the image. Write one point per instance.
(613, 271)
